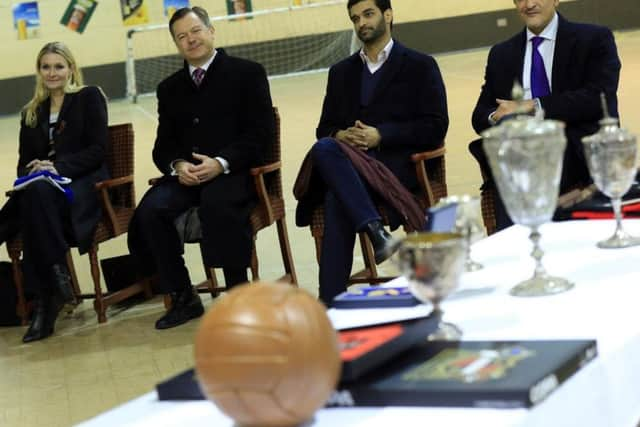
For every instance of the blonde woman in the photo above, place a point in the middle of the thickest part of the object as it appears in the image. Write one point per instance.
(64, 131)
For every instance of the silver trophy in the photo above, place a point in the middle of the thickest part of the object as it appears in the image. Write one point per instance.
(432, 264)
(611, 157)
(468, 223)
(525, 154)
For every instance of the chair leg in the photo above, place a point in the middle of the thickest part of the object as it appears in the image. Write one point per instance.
(98, 303)
(370, 270)
(212, 282)
(21, 310)
(318, 241)
(74, 282)
(255, 272)
(285, 249)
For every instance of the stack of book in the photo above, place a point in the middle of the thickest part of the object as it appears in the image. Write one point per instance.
(394, 364)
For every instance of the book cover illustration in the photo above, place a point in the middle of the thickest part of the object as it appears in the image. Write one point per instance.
(375, 297)
(470, 365)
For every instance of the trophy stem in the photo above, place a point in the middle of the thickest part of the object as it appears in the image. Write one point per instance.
(620, 238)
(537, 253)
(616, 202)
(469, 263)
(446, 331)
(541, 283)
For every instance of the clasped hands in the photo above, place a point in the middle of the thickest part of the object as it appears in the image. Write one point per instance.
(360, 136)
(507, 107)
(191, 174)
(38, 165)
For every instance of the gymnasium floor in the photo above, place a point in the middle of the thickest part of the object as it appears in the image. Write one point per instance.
(85, 369)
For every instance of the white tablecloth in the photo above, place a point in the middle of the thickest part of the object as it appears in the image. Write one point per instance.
(603, 305)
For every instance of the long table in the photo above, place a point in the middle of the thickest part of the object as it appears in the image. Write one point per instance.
(604, 305)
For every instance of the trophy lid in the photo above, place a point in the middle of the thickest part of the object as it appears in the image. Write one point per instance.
(522, 125)
(610, 130)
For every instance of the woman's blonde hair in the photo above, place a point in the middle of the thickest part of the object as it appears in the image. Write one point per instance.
(41, 93)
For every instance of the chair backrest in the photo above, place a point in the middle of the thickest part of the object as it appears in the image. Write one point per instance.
(274, 180)
(120, 162)
(120, 150)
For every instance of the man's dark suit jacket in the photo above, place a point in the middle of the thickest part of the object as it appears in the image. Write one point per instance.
(408, 107)
(81, 137)
(585, 63)
(230, 116)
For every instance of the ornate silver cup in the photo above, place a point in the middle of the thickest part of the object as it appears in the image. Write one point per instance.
(611, 156)
(432, 264)
(525, 155)
(468, 223)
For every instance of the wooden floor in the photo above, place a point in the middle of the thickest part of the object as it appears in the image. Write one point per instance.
(85, 369)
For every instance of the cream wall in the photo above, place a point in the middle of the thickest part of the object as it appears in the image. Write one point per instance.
(104, 39)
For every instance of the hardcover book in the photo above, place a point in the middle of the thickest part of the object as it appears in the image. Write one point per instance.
(361, 350)
(183, 386)
(366, 348)
(375, 297)
(497, 374)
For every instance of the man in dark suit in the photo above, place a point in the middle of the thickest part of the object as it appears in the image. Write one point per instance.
(563, 67)
(388, 101)
(215, 121)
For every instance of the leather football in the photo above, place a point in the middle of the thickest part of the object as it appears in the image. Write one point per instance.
(267, 355)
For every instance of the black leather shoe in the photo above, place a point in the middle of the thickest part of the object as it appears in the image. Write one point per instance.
(384, 245)
(62, 284)
(43, 319)
(185, 305)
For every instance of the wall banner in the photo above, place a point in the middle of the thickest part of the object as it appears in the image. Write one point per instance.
(26, 20)
(78, 14)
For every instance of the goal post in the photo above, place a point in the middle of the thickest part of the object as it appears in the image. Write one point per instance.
(286, 40)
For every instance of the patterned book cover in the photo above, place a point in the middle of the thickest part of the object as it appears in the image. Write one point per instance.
(496, 374)
(375, 297)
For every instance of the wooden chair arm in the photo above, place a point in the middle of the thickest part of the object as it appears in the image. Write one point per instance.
(258, 174)
(103, 188)
(261, 170)
(114, 182)
(428, 155)
(419, 160)
(263, 197)
(154, 181)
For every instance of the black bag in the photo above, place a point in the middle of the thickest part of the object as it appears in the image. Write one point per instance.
(8, 296)
(119, 272)
(122, 271)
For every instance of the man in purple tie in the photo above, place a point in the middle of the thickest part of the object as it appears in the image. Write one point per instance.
(215, 122)
(563, 67)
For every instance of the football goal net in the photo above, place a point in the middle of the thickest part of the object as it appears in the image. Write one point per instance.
(286, 40)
